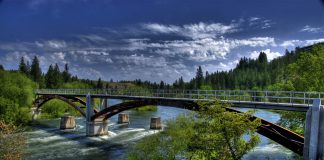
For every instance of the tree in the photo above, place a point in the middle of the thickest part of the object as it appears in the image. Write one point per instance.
(99, 84)
(65, 74)
(1, 68)
(57, 76)
(23, 67)
(307, 72)
(199, 77)
(213, 133)
(181, 83)
(162, 85)
(262, 57)
(16, 97)
(35, 71)
(49, 77)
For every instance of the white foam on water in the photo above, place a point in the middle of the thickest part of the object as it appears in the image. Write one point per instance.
(112, 134)
(269, 148)
(51, 138)
(269, 151)
(139, 135)
(128, 130)
(84, 151)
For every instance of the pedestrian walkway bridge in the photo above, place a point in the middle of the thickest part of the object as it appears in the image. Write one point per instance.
(311, 147)
(281, 100)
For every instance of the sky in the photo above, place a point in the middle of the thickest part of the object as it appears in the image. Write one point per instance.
(153, 39)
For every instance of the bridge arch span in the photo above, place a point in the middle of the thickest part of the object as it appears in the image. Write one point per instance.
(113, 110)
(274, 132)
(40, 101)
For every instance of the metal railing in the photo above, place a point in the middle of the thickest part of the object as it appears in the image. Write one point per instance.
(291, 97)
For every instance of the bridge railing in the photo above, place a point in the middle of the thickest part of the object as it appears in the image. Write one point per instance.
(292, 97)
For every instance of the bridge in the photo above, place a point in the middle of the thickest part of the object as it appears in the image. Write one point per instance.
(311, 146)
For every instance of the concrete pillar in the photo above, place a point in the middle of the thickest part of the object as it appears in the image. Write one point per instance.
(97, 127)
(104, 103)
(35, 113)
(89, 108)
(67, 122)
(314, 132)
(155, 123)
(123, 118)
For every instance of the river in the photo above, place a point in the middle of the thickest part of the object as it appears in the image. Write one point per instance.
(49, 142)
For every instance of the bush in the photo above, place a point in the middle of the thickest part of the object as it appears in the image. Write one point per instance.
(16, 97)
(57, 108)
(11, 142)
(17, 87)
(212, 133)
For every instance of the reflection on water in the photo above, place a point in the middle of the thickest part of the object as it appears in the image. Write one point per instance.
(52, 143)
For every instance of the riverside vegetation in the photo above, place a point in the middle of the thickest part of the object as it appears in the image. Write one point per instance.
(299, 70)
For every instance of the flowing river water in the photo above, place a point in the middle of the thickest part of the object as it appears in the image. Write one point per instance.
(49, 142)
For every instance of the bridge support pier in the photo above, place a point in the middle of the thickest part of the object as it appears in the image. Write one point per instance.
(156, 123)
(104, 103)
(67, 122)
(97, 127)
(123, 118)
(314, 132)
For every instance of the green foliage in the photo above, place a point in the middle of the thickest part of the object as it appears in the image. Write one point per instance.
(65, 74)
(17, 87)
(206, 87)
(169, 144)
(294, 121)
(146, 108)
(10, 112)
(12, 141)
(199, 79)
(16, 97)
(99, 84)
(282, 86)
(307, 72)
(36, 72)
(76, 84)
(57, 108)
(23, 68)
(213, 133)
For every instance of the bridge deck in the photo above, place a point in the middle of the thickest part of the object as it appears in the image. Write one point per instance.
(236, 103)
(281, 100)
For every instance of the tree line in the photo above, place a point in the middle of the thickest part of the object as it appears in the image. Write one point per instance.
(297, 70)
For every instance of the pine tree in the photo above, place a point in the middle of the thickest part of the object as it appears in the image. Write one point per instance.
(35, 71)
(23, 67)
(1, 68)
(99, 84)
(57, 76)
(49, 77)
(162, 85)
(28, 68)
(65, 74)
(199, 77)
(107, 85)
(181, 83)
